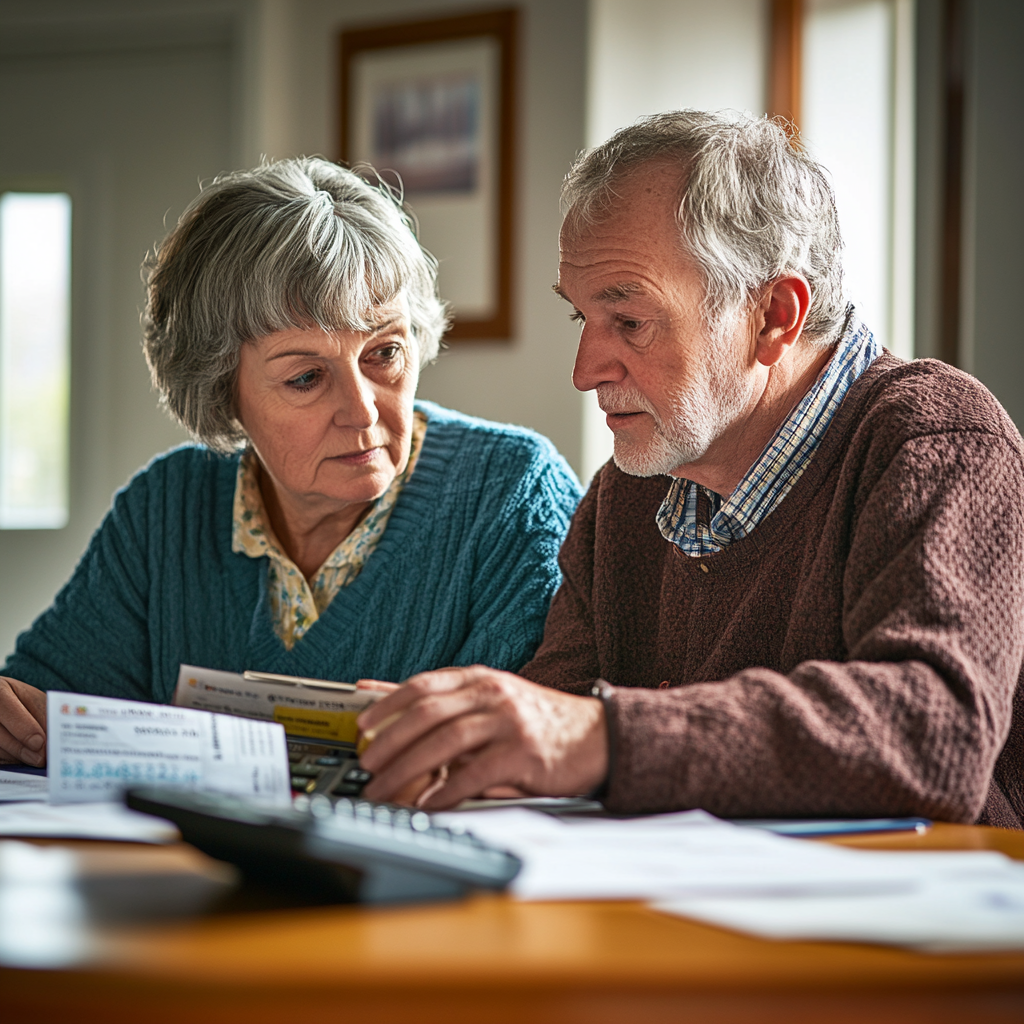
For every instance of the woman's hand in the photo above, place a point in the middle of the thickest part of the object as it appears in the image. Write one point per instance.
(22, 723)
(491, 729)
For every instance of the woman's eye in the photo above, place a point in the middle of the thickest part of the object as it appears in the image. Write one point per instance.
(577, 317)
(386, 355)
(305, 381)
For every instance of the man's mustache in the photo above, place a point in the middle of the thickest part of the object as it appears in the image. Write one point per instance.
(617, 400)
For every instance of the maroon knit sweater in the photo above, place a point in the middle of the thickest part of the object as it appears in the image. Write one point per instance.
(858, 654)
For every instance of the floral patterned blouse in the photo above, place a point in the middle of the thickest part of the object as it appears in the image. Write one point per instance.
(295, 602)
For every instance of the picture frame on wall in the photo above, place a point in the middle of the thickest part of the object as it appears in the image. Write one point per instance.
(430, 105)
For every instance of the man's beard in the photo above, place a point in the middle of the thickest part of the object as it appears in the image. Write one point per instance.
(698, 414)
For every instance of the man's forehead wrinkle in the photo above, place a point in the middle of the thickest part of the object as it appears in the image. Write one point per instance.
(619, 292)
(607, 258)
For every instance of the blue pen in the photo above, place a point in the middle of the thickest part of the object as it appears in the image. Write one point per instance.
(805, 828)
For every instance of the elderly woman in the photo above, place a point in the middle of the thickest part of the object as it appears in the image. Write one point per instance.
(328, 525)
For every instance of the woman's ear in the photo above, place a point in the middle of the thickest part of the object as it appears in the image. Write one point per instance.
(780, 316)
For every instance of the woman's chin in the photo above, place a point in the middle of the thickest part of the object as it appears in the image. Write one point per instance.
(353, 488)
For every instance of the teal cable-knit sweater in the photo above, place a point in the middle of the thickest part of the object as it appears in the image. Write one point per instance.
(463, 574)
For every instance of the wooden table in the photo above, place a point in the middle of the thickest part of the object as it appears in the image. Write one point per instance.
(491, 960)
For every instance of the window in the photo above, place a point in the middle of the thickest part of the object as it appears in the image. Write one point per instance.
(858, 120)
(35, 292)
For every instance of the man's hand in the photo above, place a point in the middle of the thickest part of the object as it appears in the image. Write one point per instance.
(378, 685)
(492, 729)
(22, 723)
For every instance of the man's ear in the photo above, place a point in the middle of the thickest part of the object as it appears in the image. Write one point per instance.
(780, 316)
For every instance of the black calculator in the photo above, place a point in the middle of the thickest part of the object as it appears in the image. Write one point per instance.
(346, 851)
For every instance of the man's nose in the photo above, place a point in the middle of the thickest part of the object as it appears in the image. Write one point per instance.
(356, 399)
(596, 362)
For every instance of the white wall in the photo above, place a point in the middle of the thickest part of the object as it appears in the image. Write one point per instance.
(648, 56)
(652, 55)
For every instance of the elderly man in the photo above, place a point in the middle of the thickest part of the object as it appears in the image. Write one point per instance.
(821, 610)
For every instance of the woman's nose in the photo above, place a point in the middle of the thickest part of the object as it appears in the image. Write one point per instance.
(356, 403)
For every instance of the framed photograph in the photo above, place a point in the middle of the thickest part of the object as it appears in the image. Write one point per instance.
(430, 104)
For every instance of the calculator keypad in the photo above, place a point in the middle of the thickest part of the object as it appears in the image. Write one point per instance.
(329, 770)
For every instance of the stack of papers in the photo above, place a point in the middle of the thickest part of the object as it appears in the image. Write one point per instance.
(16, 785)
(697, 866)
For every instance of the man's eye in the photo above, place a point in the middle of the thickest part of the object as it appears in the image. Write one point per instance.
(630, 325)
(305, 381)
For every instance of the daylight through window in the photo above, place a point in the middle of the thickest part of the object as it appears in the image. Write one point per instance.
(35, 292)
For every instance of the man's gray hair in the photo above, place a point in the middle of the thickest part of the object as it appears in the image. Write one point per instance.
(752, 209)
(295, 244)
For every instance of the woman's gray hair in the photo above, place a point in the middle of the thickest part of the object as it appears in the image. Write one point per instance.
(295, 244)
(753, 208)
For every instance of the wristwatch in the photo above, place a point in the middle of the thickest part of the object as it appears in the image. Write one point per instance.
(604, 692)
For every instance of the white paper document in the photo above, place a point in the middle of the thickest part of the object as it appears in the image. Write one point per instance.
(959, 911)
(97, 746)
(698, 866)
(22, 786)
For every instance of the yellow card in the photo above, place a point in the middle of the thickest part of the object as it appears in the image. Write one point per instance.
(318, 725)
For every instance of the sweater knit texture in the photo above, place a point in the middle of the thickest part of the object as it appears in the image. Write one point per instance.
(464, 573)
(858, 654)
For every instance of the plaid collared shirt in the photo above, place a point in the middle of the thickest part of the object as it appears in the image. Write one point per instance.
(699, 522)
